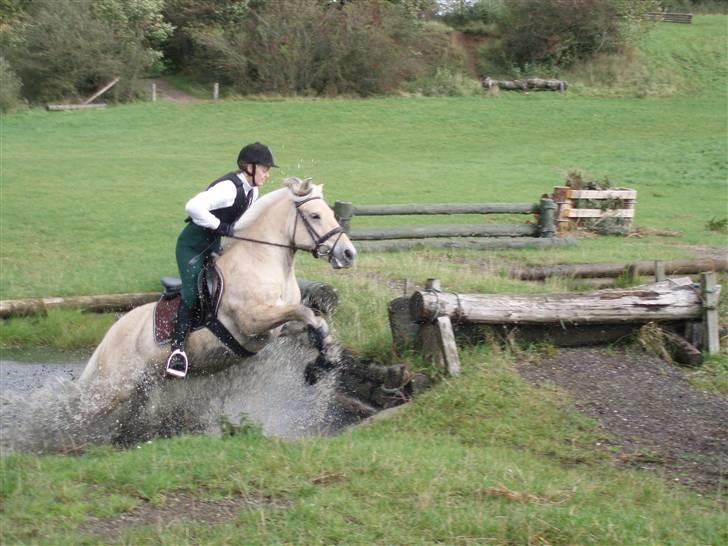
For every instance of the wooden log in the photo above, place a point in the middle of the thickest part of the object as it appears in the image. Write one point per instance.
(103, 303)
(101, 91)
(681, 350)
(344, 211)
(673, 267)
(600, 213)
(430, 231)
(452, 208)
(63, 107)
(404, 330)
(319, 295)
(449, 348)
(395, 245)
(710, 292)
(546, 222)
(659, 301)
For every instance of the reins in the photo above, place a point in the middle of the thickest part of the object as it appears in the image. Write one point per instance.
(319, 249)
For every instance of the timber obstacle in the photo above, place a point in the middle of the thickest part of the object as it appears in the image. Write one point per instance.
(429, 319)
(473, 236)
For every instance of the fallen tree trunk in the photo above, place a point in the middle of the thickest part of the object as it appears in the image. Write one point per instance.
(675, 267)
(321, 296)
(668, 300)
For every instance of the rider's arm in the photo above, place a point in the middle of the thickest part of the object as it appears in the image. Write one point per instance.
(219, 196)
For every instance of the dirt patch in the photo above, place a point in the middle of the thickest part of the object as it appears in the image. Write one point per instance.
(655, 419)
(166, 91)
(175, 508)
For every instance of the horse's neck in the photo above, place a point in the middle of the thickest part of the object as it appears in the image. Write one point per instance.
(272, 224)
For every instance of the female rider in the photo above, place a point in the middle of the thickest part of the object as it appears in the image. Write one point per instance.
(212, 214)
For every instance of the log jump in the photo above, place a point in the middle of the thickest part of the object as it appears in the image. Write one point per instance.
(428, 319)
(475, 236)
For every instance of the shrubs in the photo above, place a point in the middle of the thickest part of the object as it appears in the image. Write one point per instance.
(9, 87)
(66, 49)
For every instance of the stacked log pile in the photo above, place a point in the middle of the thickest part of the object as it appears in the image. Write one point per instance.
(531, 84)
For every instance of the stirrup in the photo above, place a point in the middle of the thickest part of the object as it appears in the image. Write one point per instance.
(176, 368)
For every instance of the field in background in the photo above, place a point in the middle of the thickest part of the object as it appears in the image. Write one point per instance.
(91, 202)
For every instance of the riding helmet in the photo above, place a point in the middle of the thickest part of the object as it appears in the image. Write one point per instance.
(256, 154)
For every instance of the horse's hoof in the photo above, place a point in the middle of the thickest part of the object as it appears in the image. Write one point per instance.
(318, 337)
(317, 369)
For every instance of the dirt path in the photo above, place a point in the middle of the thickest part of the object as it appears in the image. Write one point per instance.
(165, 91)
(656, 419)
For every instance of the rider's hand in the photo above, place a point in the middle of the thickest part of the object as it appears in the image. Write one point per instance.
(225, 229)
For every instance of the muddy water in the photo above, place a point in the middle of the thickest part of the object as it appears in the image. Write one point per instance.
(42, 408)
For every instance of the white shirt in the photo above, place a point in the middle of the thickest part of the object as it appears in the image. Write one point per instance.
(220, 196)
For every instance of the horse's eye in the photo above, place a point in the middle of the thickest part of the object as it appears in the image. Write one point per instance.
(316, 216)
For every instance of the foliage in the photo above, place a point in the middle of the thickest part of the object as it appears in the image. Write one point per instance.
(96, 42)
(445, 82)
(9, 87)
(543, 35)
(308, 47)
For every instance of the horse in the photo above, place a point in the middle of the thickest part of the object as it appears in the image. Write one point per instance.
(260, 295)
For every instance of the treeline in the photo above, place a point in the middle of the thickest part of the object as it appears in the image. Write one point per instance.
(66, 49)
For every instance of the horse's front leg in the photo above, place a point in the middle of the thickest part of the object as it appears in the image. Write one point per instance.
(258, 320)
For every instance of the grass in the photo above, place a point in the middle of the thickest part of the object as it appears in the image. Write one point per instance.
(91, 202)
(461, 465)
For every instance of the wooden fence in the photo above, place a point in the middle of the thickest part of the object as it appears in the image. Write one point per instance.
(578, 208)
(475, 236)
(665, 17)
(428, 319)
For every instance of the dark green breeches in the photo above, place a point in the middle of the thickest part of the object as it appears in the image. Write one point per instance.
(194, 246)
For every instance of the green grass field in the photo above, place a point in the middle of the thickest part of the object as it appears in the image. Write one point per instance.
(92, 202)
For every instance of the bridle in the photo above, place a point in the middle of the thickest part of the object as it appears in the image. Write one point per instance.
(319, 247)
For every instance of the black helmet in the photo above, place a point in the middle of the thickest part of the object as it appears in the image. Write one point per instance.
(256, 154)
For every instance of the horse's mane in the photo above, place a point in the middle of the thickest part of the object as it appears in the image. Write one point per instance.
(294, 188)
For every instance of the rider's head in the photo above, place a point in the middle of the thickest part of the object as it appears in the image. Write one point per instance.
(256, 160)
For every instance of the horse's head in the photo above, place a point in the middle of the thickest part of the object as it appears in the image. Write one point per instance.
(321, 233)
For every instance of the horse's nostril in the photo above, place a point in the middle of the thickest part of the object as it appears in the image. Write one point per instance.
(349, 254)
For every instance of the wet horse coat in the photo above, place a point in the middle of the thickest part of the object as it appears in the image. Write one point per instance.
(261, 292)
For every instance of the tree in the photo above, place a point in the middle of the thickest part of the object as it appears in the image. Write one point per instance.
(97, 41)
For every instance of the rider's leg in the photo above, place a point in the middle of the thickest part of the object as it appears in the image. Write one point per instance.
(193, 247)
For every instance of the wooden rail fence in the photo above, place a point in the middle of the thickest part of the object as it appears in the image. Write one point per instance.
(577, 208)
(475, 236)
(666, 17)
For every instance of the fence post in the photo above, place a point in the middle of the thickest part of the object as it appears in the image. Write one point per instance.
(344, 211)
(215, 91)
(154, 92)
(546, 225)
(710, 291)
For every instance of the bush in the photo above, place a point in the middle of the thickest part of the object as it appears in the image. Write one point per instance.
(307, 47)
(9, 87)
(553, 34)
(66, 49)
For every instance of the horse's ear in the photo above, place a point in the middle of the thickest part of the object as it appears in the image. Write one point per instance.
(297, 186)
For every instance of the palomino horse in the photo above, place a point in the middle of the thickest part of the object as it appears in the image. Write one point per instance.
(261, 292)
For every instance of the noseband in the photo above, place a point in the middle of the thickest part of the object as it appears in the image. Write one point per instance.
(319, 248)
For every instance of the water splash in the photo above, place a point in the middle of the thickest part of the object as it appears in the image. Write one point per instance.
(268, 389)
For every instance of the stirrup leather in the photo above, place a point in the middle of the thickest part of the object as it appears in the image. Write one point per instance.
(177, 369)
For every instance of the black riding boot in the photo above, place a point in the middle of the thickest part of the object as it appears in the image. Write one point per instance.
(177, 363)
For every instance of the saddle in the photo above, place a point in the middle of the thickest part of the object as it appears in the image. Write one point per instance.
(210, 285)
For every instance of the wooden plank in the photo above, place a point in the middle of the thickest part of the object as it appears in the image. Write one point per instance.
(599, 213)
(615, 269)
(101, 91)
(394, 245)
(659, 301)
(710, 291)
(460, 230)
(103, 303)
(453, 208)
(448, 346)
(603, 194)
(63, 107)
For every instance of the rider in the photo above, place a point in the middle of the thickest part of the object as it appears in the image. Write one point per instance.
(212, 214)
